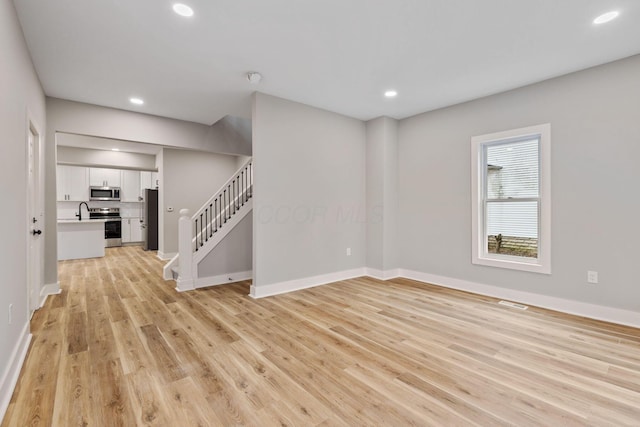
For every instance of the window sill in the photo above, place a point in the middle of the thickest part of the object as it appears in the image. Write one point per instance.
(534, 265)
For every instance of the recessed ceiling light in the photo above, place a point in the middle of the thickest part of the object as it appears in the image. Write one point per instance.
(391, 94)
(136, 101)
(182, 9)
(115, 149)
(606, 17)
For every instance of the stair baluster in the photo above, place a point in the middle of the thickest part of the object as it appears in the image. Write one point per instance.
(223, 206)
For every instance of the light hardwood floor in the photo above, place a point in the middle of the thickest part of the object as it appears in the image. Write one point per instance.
(119, 347)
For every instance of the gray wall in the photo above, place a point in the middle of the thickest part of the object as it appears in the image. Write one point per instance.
(309, 202)
(595, 149)
(103, 158)
(93, 120)
(382, 194)
(233, 254)
(189, 179)
(21, 96)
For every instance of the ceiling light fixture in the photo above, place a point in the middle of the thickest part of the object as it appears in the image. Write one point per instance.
(254, 77)
(391, 94)
(182, 10)
(115, 149)
(136, 101)
(606, 17)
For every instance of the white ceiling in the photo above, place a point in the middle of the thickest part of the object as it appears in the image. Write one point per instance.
(340, 55)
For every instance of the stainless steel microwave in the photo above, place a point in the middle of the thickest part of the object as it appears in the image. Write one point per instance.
(104, 193)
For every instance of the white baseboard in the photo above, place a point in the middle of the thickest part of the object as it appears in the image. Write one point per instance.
(203, 282)
(12, 371)
(304, 283)
(50, 289)
(185, 285)
(382, 274)
(166, 256)
(593, 311)
(578, 308)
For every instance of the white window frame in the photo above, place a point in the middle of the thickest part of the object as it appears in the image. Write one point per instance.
(480, 254)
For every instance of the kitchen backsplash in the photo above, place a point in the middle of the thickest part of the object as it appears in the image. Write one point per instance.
(68, 210)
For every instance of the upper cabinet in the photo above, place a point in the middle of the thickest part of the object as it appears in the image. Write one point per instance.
(102, 177)
(72, 183)
(148, 180)
(130, 186)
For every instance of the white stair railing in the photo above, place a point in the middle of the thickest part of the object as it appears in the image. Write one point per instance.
(216, 216)
(224, 204)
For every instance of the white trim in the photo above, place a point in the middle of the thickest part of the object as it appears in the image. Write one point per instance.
(593, 311)
(167, 272)
(382, 274)
(204, 282)
(478, 249)
(222, 279)
(222, 232)
(34, 186)
(304, 283)
(12, 372)
(183, 285)
(167, 256)
(50, 289)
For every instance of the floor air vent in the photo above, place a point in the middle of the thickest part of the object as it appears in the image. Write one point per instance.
(513, 305)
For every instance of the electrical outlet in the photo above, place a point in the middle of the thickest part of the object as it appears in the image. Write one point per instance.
(10, 313)
(348, 251)
(592, 276)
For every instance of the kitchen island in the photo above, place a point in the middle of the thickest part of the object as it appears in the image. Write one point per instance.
(80, 239)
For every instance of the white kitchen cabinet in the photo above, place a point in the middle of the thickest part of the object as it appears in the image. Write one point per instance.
(136, 230)
(72, 183)
(148, 180)
(125, 230)
(131, 230)
(103, 177)
(130, 188)
(80, 239)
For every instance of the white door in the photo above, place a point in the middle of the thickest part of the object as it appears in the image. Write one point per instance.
(34, 209)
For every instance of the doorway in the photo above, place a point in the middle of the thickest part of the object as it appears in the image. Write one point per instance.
(35, 218)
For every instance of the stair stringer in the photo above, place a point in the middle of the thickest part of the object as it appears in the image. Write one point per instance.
(222, 232)
(190, 284)
(167, 273)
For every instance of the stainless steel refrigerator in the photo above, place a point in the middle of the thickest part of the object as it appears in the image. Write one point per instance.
(150, 220)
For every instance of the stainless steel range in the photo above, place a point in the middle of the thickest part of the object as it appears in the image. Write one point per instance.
(112, 225)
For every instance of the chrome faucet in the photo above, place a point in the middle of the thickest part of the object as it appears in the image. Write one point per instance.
(79, 214)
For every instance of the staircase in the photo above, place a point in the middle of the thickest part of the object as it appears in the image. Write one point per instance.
(200, 233)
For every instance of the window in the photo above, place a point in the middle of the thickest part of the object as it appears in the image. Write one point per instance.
(511, 199)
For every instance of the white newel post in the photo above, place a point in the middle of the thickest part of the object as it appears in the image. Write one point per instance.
(185, 249)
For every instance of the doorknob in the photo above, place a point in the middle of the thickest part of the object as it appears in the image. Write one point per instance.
(36, 232)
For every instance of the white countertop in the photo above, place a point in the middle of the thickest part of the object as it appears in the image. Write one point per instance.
(75, 221)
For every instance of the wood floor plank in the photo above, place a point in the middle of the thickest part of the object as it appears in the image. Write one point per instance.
(75, 409)
(77, 332)
(120, 347)
(167, 362)
(35, 403)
